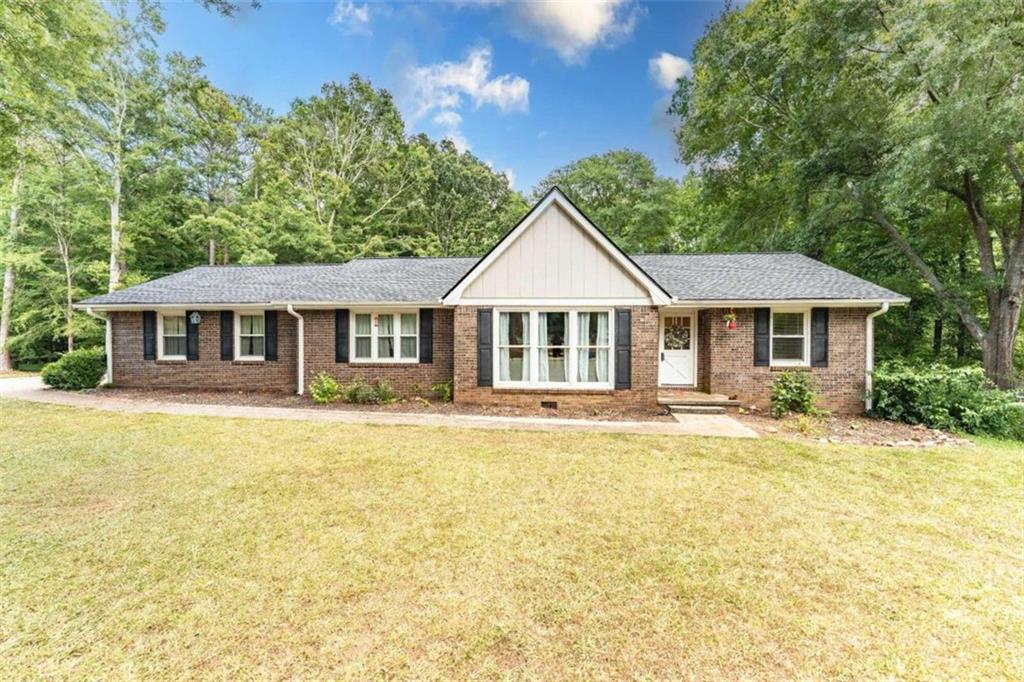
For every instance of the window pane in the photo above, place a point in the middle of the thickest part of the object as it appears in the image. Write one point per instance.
(362, 325)
(408, 346)
(556, 328)
(556, 359)
(385, 346)
(363, 347)
(251, 345)
(513, 364)
(513, 329)
(251, 324)
(787, 348)
(408, 324)
(385, 325)
(593, 365)
(593, 329)
(788, 324)
(174, 345)
(174, 326)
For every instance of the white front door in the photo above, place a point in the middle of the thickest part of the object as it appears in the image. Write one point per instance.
(676, 366)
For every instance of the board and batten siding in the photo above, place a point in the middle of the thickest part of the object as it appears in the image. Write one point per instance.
(555, 258)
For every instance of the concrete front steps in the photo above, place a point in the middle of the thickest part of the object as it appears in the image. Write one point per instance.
(695, 402)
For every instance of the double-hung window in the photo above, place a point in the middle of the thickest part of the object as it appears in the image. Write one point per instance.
(789, 338)
(385, 336)
(173, 345)
(553, 348)
(251, 341)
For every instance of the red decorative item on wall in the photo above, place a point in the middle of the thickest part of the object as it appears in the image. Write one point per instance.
(730, 320)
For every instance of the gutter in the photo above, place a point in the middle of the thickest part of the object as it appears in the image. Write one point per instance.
(869, 353)
(108, 378)
(301, 352)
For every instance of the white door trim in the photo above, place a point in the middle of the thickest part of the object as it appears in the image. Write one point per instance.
(694, 341)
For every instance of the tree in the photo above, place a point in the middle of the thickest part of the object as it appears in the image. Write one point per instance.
(463, 205)
(622, 193)
(44, 51)
(827, 117)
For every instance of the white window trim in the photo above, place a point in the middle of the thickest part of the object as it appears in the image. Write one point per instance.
(238, 336)
(806, 361)
(571, 347)
(397, 336)
(160, 355)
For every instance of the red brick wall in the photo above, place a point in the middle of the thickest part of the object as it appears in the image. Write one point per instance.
(209, 371)
(644, 368)
(407, 379)
(840, 386)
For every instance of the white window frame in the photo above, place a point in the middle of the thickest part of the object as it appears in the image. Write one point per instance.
(374, 329)
(160, 354)
(238, 335)
(806, 361)
(572, 347)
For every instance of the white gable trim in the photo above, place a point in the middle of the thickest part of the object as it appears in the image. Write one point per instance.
(555, 196)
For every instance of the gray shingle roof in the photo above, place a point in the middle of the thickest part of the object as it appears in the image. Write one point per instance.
(688, 277)
(756, 277)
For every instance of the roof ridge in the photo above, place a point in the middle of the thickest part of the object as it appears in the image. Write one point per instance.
(726, 253)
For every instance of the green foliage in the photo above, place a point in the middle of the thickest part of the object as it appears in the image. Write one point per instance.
(324, 389)
(76, 370)
(960, 399)
(443, 391)
(359, 392)
(793, 392)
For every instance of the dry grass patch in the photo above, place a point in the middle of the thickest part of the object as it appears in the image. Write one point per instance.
(160, 546)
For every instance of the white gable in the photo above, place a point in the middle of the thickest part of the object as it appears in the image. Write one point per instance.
(555, 253)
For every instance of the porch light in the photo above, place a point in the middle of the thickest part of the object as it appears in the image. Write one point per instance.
(730, 320)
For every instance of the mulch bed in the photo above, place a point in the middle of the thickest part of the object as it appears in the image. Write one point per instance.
(415, 405)
(851, 430)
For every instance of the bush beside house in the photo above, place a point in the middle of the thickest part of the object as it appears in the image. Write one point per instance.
(77, 370)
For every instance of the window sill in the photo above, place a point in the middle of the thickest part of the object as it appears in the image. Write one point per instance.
(788, 368)
(601, 390)
(247, 361)
(171, 361)
(384, 363)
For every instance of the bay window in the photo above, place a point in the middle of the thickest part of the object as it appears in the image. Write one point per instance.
(553, 348)
(385, 336)
(789, 337)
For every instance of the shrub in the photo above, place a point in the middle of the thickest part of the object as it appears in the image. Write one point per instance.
(324, 389)
(941, 397)
(443, 390)
(77, 370)
(384, 392)
(793, 392)
(358, 392)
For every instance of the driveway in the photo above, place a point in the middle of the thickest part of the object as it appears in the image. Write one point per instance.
(33, 389)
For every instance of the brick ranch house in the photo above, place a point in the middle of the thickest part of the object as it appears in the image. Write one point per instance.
(553, 313)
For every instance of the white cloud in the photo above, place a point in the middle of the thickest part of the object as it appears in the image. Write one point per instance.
(445, 85)
(447, 119)
(511, 176)
(572, 28)
(351, 17)
(668, 68)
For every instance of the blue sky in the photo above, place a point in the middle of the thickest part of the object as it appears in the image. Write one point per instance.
(526, 87)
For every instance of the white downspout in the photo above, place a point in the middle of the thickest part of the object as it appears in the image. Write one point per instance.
(108, 378)
(301, 351)
(869, 353)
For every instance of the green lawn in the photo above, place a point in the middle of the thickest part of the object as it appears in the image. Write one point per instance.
(171, 547)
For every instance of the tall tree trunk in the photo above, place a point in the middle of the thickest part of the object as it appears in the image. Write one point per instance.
(997, 353)
(7, 304)
(115, 229)
(937, 337)
(64, 248)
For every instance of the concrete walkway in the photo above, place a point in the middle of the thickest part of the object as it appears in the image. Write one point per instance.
(32, 389)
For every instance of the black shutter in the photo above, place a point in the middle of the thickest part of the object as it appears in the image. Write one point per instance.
(623, 347)
(762, 322)
(227, 335)
(149, 335)
(484, 347)
(819, 337)
(191, 337)
(341, 335)
(427, 335)
(270, 335)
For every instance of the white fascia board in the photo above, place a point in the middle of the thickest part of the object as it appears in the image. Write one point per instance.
(555, 302)
(791, 302)
(658, 296)
(272, 305)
